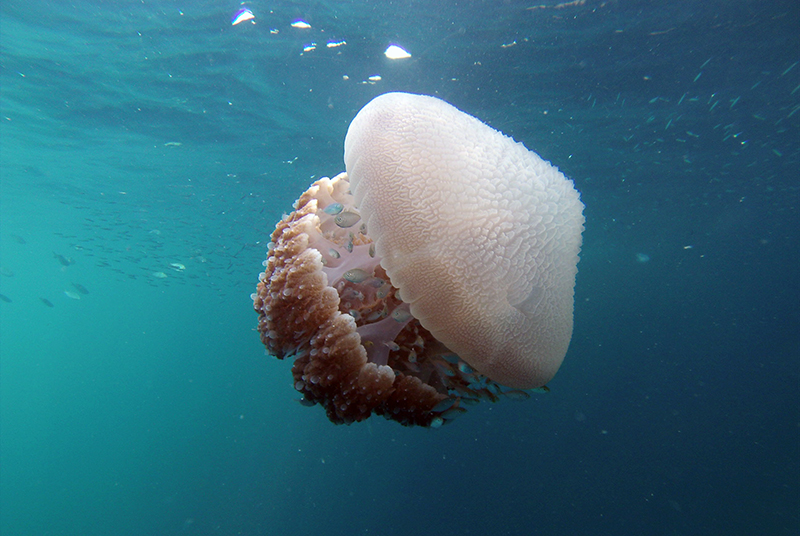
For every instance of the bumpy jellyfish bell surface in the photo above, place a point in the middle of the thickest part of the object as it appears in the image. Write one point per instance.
(480, 235)
(436, 272)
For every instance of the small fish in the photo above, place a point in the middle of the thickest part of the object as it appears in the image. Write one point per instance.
(18, 239)
(160, 275)
(356, 275)
(347, 219)
(178, 267)
(63, 260)
(80, 288)
(72, 295)
(47, 302)
(452, 413)
(333, 209)
(401, 314)
(444, 405)
(462, 367)
(516, 394)
(487, 395)
(5, 298)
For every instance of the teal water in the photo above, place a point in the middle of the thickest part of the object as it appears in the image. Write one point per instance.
(148, 148)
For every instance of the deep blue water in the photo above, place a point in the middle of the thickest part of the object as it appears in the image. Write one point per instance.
(137, 136)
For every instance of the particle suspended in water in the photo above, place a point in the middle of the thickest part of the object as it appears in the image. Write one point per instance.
(242, 15)
(642, 257)
(395, 52)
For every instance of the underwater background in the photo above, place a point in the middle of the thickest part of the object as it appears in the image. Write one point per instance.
(147, 149)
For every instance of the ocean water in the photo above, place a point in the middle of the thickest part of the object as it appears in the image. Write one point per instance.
(147, 149)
